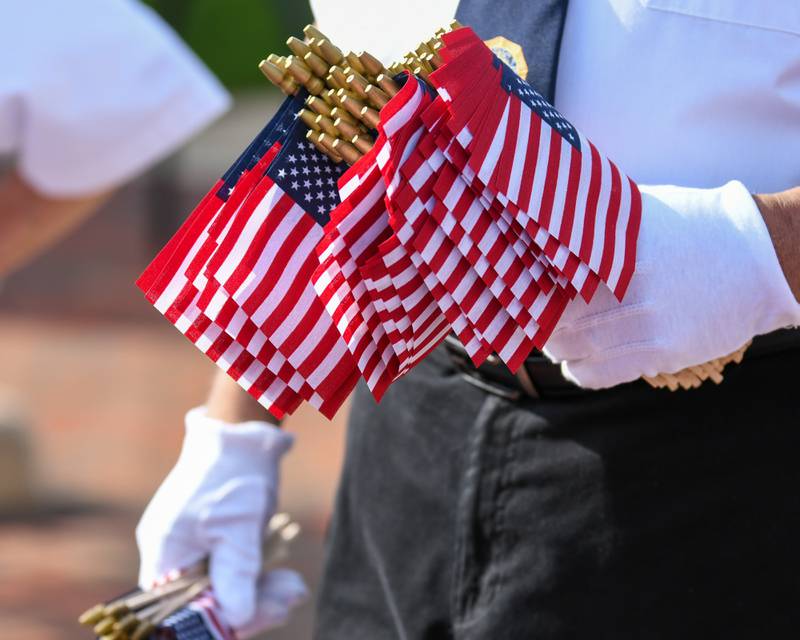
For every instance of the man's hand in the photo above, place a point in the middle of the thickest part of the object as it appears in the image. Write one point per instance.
(781, 213)
(215, 504)
(707, 280)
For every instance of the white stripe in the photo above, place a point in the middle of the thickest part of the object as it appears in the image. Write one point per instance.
(508, 350)
(276, 290)
(291, 319)
(205, 341)
(317, 377)
(496, 148)
(533, 207)
(583, 195)
(236, 323)
(251, 374)
(520, 154)
(256, 343)
(216, 303)
(404, 114)
(245, 239)
(230, 354)
(178, 281)
(560, 196)
(619, 235)
(600, 219)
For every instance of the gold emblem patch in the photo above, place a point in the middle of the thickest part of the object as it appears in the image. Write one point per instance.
(510, 53)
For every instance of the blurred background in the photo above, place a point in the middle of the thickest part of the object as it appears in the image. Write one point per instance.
(94, 382)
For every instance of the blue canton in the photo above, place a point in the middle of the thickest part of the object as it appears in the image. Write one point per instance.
(512, 83)
(274, 130)
(184, 624)
(306, 174)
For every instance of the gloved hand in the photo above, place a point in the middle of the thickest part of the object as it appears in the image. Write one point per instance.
(279, 592)
(215, 503)
(707, 280)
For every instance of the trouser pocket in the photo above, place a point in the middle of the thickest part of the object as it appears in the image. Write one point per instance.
(481, 535)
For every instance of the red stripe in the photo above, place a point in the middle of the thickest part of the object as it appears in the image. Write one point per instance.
(631, 236)
(551, 180)
(570, 202)
(591, 207)
(526, 184)
(271, 220)
(612, 215)
(502, 174)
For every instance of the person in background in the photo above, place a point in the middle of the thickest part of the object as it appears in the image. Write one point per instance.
(588, 504)
(89, 98)
(93, 93)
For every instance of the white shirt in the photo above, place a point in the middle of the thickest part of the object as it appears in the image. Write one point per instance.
(687, 92)
(94, 91)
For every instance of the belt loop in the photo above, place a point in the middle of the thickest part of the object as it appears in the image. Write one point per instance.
(526, 382)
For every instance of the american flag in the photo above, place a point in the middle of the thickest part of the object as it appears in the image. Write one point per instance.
(171, 290)
(356, 228)
(575, 203)
(419, 232)
(265, 263)
(199, 620)
(480, 210)
(270, 359)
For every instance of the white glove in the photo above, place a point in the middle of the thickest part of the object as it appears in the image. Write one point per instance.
(215, 503)
(707, 280)
(279, 592)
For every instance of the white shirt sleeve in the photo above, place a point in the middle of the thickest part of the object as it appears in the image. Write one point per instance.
(101, 90)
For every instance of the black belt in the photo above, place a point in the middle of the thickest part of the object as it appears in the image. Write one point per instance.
(540, 378)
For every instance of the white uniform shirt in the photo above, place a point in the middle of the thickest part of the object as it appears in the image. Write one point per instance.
(687, 92)
(94, 91)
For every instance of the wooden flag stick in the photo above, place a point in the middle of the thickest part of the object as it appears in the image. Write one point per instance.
(693, 377)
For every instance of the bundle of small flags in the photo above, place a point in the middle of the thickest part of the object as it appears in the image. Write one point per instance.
(181, 606)
(471, 206)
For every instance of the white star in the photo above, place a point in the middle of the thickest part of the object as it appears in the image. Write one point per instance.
(306, 171)
(292, 158)
(293, 171)
(327, 168)
(321, 210)
(303, 157)
(320, 195)
(333, 195)
(307, 183)
(318, 182)
(317, 169)
(331, 181)
(281, 173)
(308, 197)
(295, 185)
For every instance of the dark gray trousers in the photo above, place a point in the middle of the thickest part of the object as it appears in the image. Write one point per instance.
(628, 513)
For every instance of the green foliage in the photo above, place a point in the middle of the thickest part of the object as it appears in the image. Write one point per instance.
(232, 36)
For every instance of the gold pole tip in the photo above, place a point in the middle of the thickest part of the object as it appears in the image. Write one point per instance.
(92, 616)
